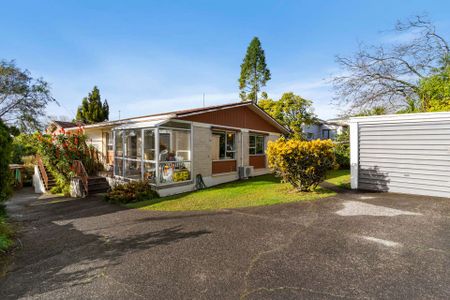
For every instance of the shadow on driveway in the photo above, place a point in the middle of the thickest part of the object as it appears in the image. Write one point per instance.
(69, 256)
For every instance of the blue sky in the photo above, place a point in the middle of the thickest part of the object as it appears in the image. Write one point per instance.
(154, 56)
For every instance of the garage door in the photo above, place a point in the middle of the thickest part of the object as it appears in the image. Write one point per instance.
(405, 157)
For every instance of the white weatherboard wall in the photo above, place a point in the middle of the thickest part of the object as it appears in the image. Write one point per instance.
(407, 153)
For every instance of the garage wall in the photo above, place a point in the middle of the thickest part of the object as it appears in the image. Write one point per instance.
(404, 154)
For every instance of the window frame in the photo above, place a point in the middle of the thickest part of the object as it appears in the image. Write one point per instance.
(225, 133)
(329, 133)
(256, 136)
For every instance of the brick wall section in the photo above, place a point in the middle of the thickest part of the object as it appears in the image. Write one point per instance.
(202, 151)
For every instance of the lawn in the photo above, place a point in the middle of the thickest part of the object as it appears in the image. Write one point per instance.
(340, 178)
(256, 191)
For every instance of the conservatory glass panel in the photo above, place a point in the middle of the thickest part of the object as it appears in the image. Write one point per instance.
(175, 155)
(119, 143)
(132, 169)
(149, 144)
(133, 143)
(150, 172)
(118, 167)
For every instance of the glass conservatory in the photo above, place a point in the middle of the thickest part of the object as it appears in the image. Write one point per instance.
(158, 151)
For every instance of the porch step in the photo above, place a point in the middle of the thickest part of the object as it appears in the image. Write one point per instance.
(51, 179)
(97, 184)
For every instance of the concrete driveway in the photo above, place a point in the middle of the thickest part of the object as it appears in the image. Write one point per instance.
(351, 246)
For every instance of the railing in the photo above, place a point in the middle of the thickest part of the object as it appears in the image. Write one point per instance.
(42, 171)
(80, 171)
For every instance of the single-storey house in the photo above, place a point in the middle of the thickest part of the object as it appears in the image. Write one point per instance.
(324, 129)
(181, 150)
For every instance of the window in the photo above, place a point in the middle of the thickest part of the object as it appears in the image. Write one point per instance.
(326, 133)
(256, 144)
(109, 141)
(223, 145)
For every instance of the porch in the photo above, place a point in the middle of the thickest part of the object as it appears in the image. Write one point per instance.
(158, 151)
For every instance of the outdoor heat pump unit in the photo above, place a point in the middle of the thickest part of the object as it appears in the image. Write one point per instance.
(245, 172)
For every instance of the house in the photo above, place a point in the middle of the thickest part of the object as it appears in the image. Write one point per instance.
(58, 125)
(402, 153)
(177, 151)
(322, 129)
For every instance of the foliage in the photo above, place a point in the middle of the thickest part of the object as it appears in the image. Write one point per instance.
(59, 151)
(342, 149)
(6, 231)
(391, 75)
(256, 191)
(5, 159)
(303, 164)
(254, 72)
(340, 178)
(23, 145)
(130, 192)
(434, 91)
(22, 98)
(291, 111)
(374, 111)
(92, 110)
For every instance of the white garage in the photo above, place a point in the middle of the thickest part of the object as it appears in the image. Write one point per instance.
(407, 153)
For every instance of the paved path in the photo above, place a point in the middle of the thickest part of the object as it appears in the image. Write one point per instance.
(359, 246)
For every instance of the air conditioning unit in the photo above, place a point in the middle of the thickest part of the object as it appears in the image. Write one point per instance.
(245, 172)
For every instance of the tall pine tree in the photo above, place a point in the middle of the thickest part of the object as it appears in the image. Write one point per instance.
(91, 109)
(254, 72)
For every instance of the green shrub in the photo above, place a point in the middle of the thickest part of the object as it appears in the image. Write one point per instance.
(6, 231)
(303, 164)
(24, 145)
(5, 160)
(343, 155)
(342, 149)
(130, 192)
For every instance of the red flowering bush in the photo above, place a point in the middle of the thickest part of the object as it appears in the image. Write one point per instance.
(59, 150)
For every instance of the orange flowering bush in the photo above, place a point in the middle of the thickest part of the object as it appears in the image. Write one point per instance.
(303, 164)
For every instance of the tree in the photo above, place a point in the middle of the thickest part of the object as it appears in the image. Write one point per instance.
(22, 98)
(389, 76)
(5, 155)
(435, 91)
(91, 109)
(291, 111)
(254, 72)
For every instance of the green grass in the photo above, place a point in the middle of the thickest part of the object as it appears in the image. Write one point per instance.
(339, 178)
(257, 191)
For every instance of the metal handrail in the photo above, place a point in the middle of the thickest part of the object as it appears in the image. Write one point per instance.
(42, 170)
(80, 171)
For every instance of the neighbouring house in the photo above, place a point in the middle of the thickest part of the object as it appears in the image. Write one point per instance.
(177, 151)
(56, 126)
(402, 153)
(323, 130)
